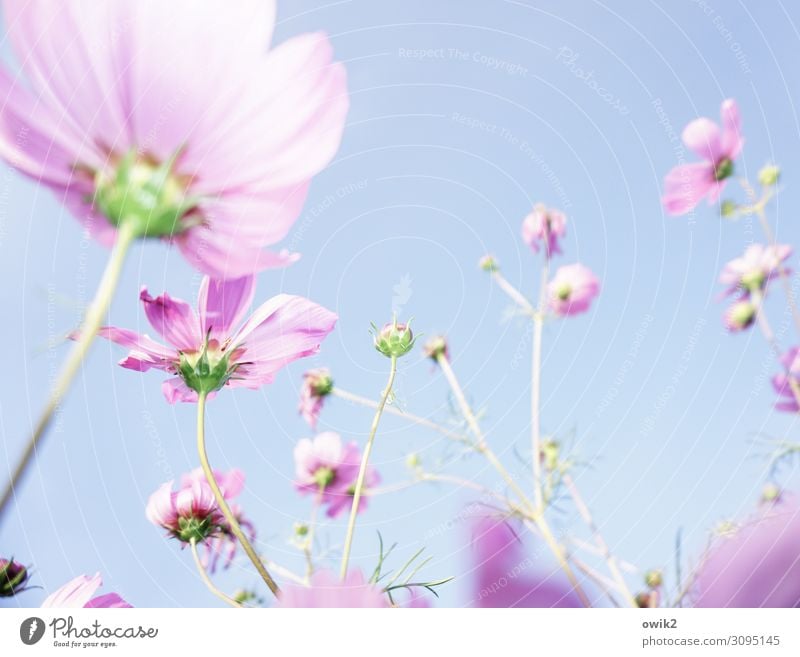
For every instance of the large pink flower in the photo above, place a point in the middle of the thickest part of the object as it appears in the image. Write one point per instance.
(78, 593)
(572, 289)
(207, 352)
(174, 113)
(543, 227)
(329, 469)
(687, 184)
(752, 271)
(328, 591)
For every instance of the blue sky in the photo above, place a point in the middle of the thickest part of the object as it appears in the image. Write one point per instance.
(463, 115)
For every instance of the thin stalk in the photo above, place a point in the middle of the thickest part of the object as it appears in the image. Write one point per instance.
(517, 296)
(536, 388)
(351, 525)
(223, 505)
(393, 410)
(308, 546)
(613, 567)
(95, 314)
(207, 580)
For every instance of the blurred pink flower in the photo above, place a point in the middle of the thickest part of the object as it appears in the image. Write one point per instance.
(506, 577)
(789, 377)
(317, 384)
(543, 227)
(119, 93)
(572, 289)
(752, 271)
(687, 184)
(205, 351)
(757, 566)
(328, 591)
(78, 593)
(740, 316)
(189, 514)
(329, 469)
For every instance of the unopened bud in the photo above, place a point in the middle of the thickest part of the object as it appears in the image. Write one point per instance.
(13, 577)
(435, 347)
(728, 209)
(488, 263)
(413, 461)
(769, 175)
(550, 454)
(394, 339)
(654, 578)
(770, 493)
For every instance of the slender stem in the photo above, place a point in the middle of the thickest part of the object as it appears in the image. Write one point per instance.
(351, 525)
(223, 505)
(769, 336)
(606, 585)
(536, 387)
(207, 580)
(613, 567)
(308, 545)
(416, 419)
(94, 317)
(514, 293)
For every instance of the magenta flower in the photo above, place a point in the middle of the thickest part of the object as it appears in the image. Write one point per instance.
(757, 566)
(78, 593)
(328, 591)
(505, 577)
(206, 352)
(572, 289)
(784, 382)
(687, 184)
(329, 469)
(543, 227)
(740, 316)
(755, 269)
(317, 384)
(189, 514)
(176, 120)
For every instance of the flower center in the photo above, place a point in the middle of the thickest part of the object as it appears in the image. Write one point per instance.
(324, 476)
(723, 169)
(145, 193)
(195, 528)
(564, 291)
(753, 280)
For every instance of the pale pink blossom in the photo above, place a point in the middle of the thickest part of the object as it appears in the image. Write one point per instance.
(787, 381)
(572, 289)
(329, 469)
(317, 385)
(78, 593)
(206, 351)
(755, 269)
(153, 87)
(327, 590)
(543, 227)
(687, 184)
(189, 514)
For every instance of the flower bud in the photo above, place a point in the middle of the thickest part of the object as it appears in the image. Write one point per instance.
(647, 599)
(654, 578)
(724, 169)
(145, 193)
(435, 347)
(243, 596)
(413, 461)
(13, 577)
(394, 339)
(488, 263)
(300, 529)
(550, 454)
(728, 209)
(740, 316)
(769, 175)
(770, 494)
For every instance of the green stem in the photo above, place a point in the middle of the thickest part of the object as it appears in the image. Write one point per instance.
(223, 505)
(94, 317)
(351, 525)
(207, 580)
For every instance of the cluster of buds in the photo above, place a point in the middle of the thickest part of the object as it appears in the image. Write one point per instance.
(13, 578)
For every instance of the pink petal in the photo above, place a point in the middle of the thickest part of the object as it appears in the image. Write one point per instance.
(145, 352)
(231, 483)
(282, 330)
(174, 319)
(75, 593)
(108, 601)
(221, 304)
(702, 136)
(685, 186)
(175, 390)
(732, 140)
(160, 508)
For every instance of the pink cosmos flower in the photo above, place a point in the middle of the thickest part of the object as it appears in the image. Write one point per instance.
(326, 467)
(789, 377)
(755, 269)
(317, 384)
(328, 591)
(687, 184)
(757, 566)
(740, 316)
(572, 289)
(190, 513)
(78, 593)
(505, 577)
(207, 352)
(544, 226)
(176, 116)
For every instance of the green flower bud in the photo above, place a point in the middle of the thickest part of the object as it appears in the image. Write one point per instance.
(488, 263)
(394, 339)
(769, 175)
(145, 193)
(301, 529)
(550, 454)
(770, 493)
(435, 347)
(205, 371)
(647, 600)
(654, 578)
(413, 461)
(728, 209)
(13, 577)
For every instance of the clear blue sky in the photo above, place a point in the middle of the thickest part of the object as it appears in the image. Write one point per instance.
(442, 157)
